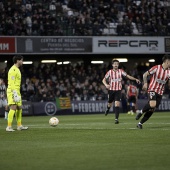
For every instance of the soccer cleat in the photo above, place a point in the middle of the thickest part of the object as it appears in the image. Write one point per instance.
(22, 127)
(139, 126)
(9, 129)
(106, 112)
(132, 113)
(139, 114)
(116, 121)
(128, 112)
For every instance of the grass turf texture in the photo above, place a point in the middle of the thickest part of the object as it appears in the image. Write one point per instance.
(87, 142)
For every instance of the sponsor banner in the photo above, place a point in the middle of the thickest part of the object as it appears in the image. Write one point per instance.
(167, 45)
(128, 45)
(7, 45)
(77, 107)
(45, 108)
(89, 107)
(27, 108)
(53, 45)
(164, 106)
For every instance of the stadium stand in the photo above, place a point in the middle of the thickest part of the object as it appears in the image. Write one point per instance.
(45, 82)
(85, 18)
(79, 18)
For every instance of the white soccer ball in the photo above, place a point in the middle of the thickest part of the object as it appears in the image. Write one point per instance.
(53, 121)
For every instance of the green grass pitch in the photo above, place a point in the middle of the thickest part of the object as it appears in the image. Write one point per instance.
(87, 142)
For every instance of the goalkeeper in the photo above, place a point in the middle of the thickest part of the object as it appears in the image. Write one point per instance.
(14, 96)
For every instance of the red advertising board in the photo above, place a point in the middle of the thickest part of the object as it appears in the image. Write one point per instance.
(7, 44)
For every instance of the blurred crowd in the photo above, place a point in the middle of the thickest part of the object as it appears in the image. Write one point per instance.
(45, 82)
(84, 17)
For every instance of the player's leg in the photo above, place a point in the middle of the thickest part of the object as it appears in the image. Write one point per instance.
(117, 106)
(133, 105)
(146, 116)
(6, 112)
(149, 106)
(128, 106)
(10, 118)
(12, 110)
(110, 101)
(6, 108)
(18, 115)
(153, 102)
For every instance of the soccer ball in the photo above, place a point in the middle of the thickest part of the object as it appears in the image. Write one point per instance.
(53, 121)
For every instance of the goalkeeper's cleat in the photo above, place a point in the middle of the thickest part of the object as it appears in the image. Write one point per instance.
(106, 112)
(22, 127)
(139, 126)
(116, 121)
(9, 129)
(139, 114)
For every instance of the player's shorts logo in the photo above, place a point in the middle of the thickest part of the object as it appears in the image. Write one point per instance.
(152, 94)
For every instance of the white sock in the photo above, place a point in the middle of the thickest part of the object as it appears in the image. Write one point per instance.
(6, 114)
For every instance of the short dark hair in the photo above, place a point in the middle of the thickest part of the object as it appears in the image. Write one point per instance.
(17, 57)
(165, 57)
(115, 60)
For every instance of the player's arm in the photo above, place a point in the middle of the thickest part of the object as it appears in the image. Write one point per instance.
(145, 80)
(169, 83)
(128, 88)
(137, 93)
(12, 80)
(133, 78)
(105, 83)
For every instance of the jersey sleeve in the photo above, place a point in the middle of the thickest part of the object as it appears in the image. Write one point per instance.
(107, 75)
(123, 73)
(153, 69)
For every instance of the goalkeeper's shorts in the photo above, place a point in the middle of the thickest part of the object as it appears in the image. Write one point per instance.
(10, 98)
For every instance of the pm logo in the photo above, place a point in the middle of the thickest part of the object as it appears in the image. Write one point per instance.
(50, 109)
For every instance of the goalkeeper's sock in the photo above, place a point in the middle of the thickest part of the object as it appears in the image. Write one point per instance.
(10, 117)
(18, 116)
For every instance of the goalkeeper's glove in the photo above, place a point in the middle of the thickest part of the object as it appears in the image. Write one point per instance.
(16, 97)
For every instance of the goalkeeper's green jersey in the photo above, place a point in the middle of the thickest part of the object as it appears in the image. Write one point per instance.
(14, 78)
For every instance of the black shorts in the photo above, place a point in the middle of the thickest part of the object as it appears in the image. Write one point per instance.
(132, 99)
(114, 95)
(155, 96)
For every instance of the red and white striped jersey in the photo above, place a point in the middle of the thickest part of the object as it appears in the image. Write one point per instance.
(132, 90)
(115, 78)
(158, 79)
